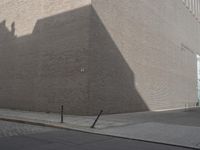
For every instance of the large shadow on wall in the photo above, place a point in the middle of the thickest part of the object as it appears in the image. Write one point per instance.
(42, 71)
(7, 53)
(69, 59)
(111, 80)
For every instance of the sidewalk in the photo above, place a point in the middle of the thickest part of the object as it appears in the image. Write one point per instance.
(173, 127)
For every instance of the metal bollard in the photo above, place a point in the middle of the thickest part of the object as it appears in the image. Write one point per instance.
(93, 125)
(61, 113)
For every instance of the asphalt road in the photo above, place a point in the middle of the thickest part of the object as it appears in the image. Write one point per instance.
(16, 136)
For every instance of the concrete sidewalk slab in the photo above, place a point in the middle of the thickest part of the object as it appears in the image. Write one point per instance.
(53, 118)
(180, 127)
(163, 133)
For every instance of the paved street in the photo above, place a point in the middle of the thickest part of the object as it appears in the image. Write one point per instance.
(16, 136)
(8, 129)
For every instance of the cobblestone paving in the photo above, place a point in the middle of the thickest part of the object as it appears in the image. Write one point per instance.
(14, 129)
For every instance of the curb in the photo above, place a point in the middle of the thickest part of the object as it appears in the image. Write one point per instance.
(92, 131)
(35, 123)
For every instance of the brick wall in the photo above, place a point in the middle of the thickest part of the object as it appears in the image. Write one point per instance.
(158, 40)
(119, 56)
(43, 48)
